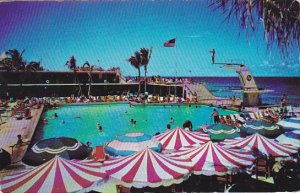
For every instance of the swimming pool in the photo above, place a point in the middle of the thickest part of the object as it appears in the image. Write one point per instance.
(115, 120)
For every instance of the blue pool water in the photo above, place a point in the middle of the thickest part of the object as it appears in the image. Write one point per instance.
(115, 120)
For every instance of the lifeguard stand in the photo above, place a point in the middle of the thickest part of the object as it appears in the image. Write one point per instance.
(250, 91)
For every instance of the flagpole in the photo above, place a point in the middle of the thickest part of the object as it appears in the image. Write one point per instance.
(176, 57)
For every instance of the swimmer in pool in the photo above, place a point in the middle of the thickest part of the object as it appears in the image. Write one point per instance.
(172, 120)
(99, 127)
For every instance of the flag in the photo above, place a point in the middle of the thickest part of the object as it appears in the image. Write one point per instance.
(170, 43)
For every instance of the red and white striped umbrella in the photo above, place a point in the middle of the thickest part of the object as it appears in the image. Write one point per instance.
(177, 138)
(148, 168)
(57, 175)
(213, 159)
(262, 144)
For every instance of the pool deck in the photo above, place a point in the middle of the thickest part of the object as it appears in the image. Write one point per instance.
(13, 127)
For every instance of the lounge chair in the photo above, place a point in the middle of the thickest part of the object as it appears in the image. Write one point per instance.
(240, 119)
(252, 116)
(262, 166)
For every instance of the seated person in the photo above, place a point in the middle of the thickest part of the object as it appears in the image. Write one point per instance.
(222, 120)
(20, 141)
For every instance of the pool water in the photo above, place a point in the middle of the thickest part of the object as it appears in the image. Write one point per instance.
(115, 120)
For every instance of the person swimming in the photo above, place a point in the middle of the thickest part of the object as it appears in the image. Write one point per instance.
(77, 116)
(54, 116)
(99, 127)
(172, 120)
(62, 121)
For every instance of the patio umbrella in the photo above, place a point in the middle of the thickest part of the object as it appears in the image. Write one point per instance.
(262, 127)
(262, 144)
(47, 149)
(291, 138)
(219, 132)
(290, 124)
(213, 159)
(131, 143)
(148, 168)
(5, 158)
(177, 138)
(57, 175)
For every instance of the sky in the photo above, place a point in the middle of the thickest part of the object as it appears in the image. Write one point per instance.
(107, 33)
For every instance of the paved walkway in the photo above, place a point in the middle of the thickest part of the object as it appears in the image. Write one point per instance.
(12, 127)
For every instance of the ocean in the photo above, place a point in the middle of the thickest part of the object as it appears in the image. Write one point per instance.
(224, 86)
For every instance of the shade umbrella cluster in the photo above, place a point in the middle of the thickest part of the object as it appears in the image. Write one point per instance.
(131, 143)
(148, 168)
(290, 124)
(57, 175)
(47, 149)
(291, 138)
(219, 132)
(262, 144)
(213, 159)
(262, 127)
(177, 138)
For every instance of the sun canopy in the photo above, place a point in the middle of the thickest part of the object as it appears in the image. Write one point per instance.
(262, 127)
(148, 168)
(262, 144)
(290, 124)
(57, 175)
(132, 143)
(213, 159)
(219, 132)
(177, 138)
(47, 149)
(291, 138)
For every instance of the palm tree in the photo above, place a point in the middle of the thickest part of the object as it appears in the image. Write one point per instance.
(7, 64)
(71, 63)
(90, 68)
(146, 55)
(281, 18)
(16, 59)
(136, 62)
(34, 66)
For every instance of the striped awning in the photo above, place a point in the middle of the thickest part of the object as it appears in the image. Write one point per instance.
(148, 168)
(213, 159)
(57, 175)
(178, 137)
(262, 144)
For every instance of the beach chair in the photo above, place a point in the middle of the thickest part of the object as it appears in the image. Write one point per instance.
(252, 116)
(161, 99)
(224, 182)
(99, 154)
(240, 119)
(262, 166)
(122, 189)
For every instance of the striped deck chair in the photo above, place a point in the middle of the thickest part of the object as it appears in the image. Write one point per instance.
(239, 118)
(232, 117)
(273, 114)
(252, 116)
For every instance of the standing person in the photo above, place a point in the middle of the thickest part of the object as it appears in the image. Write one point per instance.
(213, 51)
(283, 104)
(215, 114)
